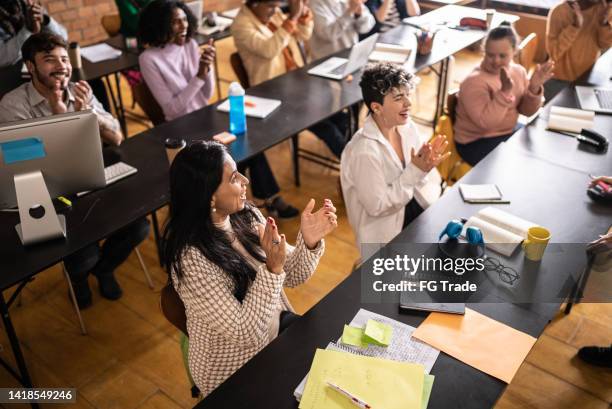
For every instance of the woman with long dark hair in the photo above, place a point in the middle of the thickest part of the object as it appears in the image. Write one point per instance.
(229, 264)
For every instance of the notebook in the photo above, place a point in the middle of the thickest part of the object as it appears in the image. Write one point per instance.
(502, 231)
(100, 52)
(390, 53)
(476, 193)
(255, 107)
(569, 119)
(382, 383)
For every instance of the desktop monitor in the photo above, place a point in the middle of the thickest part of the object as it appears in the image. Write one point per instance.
(45, 158)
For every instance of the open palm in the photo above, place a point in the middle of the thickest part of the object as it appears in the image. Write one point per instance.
(319, 224)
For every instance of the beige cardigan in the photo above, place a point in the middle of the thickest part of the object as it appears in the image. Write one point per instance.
(224, 333)
(261, 49)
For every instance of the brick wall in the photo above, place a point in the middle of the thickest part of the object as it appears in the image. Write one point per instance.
(82, 17)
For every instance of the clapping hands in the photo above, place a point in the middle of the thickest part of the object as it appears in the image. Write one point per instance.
(431, 154)
(315, 226)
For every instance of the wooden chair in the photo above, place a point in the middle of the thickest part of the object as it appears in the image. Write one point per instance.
(143, 97)
(111, 24)
(173, 308)
(453, 168)
(239, 70)
(527, 51)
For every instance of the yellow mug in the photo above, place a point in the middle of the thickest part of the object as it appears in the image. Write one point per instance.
(535, 243)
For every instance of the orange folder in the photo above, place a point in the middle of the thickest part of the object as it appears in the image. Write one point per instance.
(477, 340)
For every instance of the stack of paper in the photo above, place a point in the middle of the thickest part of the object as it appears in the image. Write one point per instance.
(475, 193)
(374, 333)
(570, 120)
(381, 383)
(255, 107)
(100, 52)
(390, 53)
(231, 13)
(402, 347)
(477, 340)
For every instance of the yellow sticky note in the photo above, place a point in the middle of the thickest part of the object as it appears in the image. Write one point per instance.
(378, 333)
(381, 383)
(353, 336)
(427, 386)
(477, 340)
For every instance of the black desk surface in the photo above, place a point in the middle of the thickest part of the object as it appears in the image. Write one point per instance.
(567, 213)
(109, 209)
(565, 150)
(307, 99)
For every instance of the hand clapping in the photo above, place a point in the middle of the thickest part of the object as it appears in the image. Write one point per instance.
(506, 82)
(82, 95)
(207, 59)
(274, 245)
(542, 73)
(315, 226)
(431, 154)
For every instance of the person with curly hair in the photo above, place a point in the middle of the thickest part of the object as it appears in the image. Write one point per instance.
(388, 171)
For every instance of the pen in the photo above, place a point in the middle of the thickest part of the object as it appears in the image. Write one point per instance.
(354, 400)
(484, 201)
(249, 104)
(64, 200)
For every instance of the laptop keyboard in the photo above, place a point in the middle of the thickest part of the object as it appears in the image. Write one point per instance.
(339, 70)
(604, 97)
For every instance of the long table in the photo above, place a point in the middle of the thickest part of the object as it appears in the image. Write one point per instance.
(545, 177)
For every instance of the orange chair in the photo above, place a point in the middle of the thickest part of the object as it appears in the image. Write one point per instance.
(453, 168)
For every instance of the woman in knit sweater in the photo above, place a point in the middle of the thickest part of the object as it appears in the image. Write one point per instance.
(229, 264)
(494, 94)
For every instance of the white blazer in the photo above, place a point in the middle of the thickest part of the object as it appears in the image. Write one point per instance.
(377, 187)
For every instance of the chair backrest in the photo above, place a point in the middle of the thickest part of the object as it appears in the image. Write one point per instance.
(111, 24)
(451, 104)
(173, 308)
(143, 97)
(526, 52)
(453, 168)
(239, 70)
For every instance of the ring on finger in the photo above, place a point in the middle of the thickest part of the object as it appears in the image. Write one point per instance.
(276, 242)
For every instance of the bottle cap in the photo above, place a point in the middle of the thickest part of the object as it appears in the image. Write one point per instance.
(235, 89)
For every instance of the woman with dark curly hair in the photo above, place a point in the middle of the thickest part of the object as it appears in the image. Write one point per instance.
(181, 79)
(388, 171)
(229, 264)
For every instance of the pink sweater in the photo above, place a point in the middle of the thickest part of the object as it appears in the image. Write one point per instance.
(483, 111)
(170, 72)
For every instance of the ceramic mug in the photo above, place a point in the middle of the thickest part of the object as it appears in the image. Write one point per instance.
(535, 243)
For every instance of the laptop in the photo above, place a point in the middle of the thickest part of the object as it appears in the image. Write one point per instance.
(337, 68)
(596, 99)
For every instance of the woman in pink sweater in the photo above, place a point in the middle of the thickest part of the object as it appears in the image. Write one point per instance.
(494, 94)
(181, 79)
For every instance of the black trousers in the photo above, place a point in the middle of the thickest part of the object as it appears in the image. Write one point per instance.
(263, 183)
(333, 132)
(286, 319)
(412, 211)
(474, 152)
(103, 260)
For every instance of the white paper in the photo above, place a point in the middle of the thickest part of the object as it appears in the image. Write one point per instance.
(222, 24)
(100, 52)
(403, 347)
(255, 107)
(479, 192)
(568, 123)
(573, 113)
(496, 239)
(505, 220)
(390, 53)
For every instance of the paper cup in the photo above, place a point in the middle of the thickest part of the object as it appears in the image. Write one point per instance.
(490, 14)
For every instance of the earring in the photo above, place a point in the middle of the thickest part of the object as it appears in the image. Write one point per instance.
(212, 205)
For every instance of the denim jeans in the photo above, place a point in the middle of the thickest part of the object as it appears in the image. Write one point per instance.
(263, 183)
(332, 131)
(103, 260)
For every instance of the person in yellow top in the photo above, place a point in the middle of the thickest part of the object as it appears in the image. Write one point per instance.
(268, 43)
(576, 32)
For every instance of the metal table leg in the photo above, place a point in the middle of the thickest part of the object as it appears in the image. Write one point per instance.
(121, 110)
(442, 89)
(23, 376)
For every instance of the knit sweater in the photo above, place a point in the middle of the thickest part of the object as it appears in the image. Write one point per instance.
(223, 332)
(484, 111)
(574, 50)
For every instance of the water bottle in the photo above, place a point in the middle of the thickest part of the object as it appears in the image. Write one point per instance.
(237, 116)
